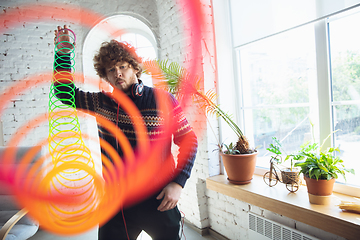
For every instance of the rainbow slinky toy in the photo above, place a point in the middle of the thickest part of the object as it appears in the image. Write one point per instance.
(63, 190)
(72, 173)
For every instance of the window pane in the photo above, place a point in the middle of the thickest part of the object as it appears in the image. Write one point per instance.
(289, 125)
(347, 138)
(146, 53)
(143, 46)
(129, 38)
(277, 74)
(142, 41)
(345, 70)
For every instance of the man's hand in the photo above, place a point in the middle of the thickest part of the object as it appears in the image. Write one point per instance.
(171, 194)
(65, 46)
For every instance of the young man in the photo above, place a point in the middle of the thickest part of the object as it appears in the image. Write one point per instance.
(119, 65)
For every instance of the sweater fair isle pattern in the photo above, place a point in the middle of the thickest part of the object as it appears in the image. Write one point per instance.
(102, 104)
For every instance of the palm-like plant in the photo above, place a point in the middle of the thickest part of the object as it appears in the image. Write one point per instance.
(175, 77)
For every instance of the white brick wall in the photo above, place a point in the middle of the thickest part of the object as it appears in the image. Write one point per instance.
(24, 52)
(171, 44)
(27, 49)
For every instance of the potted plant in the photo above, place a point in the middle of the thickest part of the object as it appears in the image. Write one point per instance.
(288, 174)
(320, 169)
(239, 158)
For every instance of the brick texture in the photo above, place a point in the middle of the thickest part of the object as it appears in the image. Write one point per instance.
(26, 50)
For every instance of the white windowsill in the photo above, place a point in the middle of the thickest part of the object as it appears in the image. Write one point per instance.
(296, 206)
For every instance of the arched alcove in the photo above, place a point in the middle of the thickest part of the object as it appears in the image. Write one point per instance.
(135, 32)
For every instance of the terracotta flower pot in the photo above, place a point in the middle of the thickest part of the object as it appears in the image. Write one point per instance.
(239, 168)
(320, 187)
(319, 190)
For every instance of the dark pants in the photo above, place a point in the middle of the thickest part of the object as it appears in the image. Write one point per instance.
(143, 216)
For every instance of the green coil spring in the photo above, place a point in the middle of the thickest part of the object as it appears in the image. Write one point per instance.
(66, 145)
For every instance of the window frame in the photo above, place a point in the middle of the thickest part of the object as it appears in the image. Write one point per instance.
(324, 103)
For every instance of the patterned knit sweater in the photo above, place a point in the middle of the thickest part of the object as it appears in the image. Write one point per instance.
(101, 103)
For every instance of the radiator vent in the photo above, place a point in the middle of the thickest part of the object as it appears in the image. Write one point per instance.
(264, 229)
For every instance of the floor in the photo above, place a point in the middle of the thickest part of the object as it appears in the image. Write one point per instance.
(189, 234)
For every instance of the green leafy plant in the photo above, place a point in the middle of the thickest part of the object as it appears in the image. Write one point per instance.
(175, 78)
(230, 149)
(276, 149)
(320, 164)
(293, 159)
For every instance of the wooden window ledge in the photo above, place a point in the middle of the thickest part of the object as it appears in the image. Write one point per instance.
(296, 205)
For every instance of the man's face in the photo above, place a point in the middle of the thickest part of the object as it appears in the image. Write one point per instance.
(122, 75)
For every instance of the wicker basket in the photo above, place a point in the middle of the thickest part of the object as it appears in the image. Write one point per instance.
(289, 177)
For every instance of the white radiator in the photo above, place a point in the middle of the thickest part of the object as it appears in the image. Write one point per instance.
(264, 229)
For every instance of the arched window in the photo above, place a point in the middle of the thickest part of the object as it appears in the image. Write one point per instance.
(144, 47)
